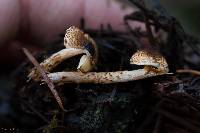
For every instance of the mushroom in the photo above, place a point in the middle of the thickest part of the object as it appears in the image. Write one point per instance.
(76, 42)
(75, 38)
(154, 64)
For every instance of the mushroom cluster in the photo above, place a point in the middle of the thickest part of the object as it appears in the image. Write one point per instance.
(77, 42)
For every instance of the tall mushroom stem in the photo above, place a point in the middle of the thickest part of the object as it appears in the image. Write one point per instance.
(101, 77)
(54, 60)
(154, 65)
(76, 42)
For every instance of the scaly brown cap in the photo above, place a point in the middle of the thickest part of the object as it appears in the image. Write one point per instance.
(146, 58)
(74, 38)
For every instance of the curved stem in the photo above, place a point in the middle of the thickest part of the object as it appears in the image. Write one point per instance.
(55, 59)
(100, 77)
(195, 72)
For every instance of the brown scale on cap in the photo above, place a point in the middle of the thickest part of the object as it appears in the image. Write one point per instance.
(76, 38)
(153, 62)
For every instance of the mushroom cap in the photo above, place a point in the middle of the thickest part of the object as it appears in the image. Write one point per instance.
(75, 38)
(147, 58)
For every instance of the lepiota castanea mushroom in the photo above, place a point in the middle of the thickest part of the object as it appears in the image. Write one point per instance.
(76, 42)
(154, 65)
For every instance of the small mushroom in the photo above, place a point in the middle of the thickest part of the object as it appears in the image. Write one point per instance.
(151, 61)
(76, 42)
(154, 64)
(75, 38)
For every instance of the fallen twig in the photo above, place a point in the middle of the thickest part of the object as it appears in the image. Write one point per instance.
(45, 77)
(195, 72)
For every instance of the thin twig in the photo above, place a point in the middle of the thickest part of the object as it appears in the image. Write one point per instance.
(195, 72)
(148, 28)
(149, 31)
(157, 127)
(45, 77)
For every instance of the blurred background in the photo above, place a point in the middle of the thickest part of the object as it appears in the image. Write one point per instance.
(186, 11)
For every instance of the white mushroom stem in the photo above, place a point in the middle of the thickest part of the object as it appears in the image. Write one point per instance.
(59, 57)
(76, 42)
(100, 77)
(56, 59)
